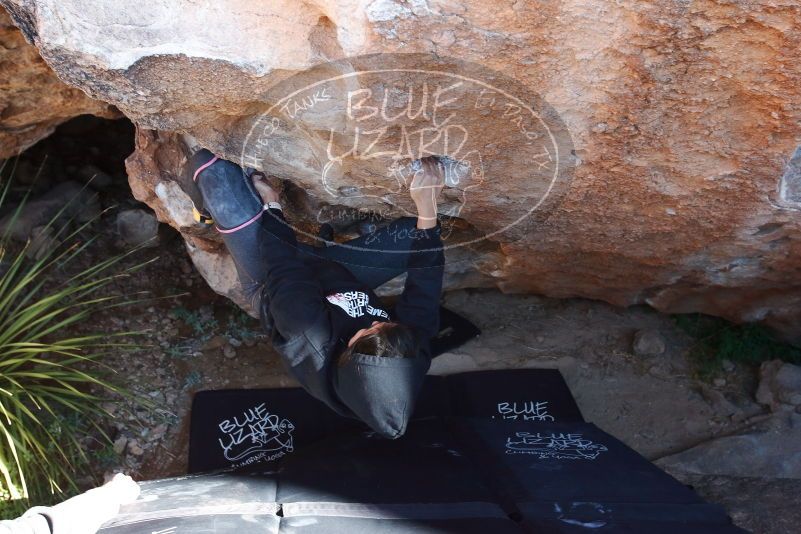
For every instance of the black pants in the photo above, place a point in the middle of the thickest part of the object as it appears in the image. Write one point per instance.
(374, 259)
(233, 201)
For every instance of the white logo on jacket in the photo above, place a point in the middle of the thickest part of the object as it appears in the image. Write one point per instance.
(356, 304)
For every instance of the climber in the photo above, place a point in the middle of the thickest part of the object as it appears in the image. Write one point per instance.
(336, 337)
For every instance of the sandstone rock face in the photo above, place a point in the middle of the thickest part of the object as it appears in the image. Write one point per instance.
(679, 184)
(779, 384)
(33, 101)
(767, 449)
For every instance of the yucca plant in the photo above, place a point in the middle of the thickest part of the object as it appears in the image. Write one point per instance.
(52, 379)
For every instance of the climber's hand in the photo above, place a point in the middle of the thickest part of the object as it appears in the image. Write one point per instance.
(424, 190)
(267, 193)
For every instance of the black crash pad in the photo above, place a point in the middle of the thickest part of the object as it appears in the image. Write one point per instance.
(245, 429)
(555, 462)
(499, 452)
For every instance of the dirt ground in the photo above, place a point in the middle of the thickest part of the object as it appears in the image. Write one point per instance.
(651, 403)
(194, 340)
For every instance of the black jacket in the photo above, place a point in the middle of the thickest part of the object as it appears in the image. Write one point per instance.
(312, 307)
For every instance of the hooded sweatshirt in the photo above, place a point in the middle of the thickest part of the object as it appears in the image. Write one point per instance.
(311, 307)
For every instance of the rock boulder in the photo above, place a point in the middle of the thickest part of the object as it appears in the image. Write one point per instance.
(768, 449)
(33, 101)
(678, 124)
(779, 383)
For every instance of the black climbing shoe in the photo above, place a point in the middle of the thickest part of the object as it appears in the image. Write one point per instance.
(228, 193)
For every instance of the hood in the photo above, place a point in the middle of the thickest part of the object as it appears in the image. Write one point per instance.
(381, 391)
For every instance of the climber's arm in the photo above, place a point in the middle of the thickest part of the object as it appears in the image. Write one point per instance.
(426, 186)
(418, 306)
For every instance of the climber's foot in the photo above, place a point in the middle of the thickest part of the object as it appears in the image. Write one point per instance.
(228, 193)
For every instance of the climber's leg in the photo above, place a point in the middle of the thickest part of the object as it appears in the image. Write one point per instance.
(234, 204)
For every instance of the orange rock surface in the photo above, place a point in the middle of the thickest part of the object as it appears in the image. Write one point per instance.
(684, 182)
(33, 101)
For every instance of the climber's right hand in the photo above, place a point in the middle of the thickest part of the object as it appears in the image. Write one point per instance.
(425, 189)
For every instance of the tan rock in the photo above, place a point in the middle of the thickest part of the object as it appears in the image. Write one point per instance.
(779, 383)
(33, 101)
(684, 121)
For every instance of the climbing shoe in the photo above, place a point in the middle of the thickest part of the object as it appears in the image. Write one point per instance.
(229, 199)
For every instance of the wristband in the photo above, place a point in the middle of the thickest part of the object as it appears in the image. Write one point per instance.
(273, 206)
